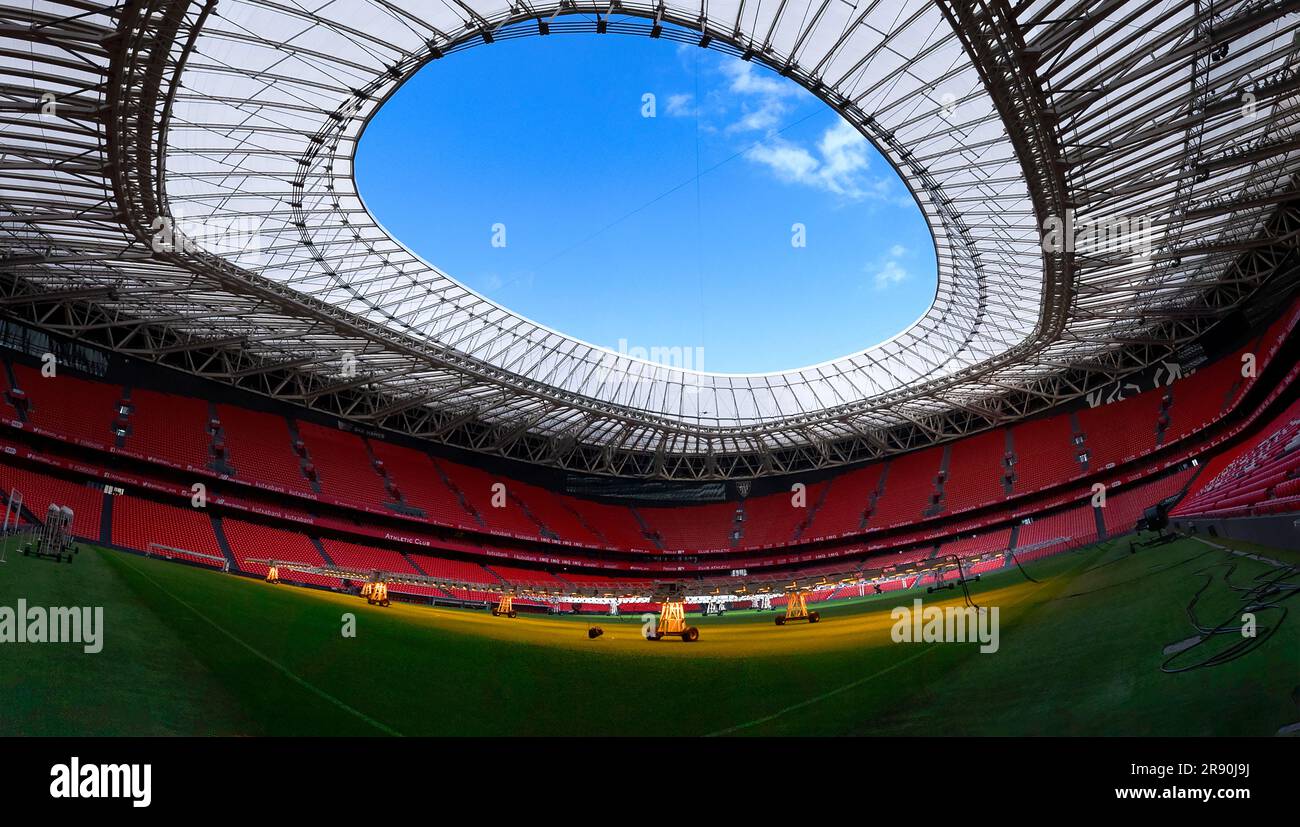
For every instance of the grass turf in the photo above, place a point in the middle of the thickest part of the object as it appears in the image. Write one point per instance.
(189, 651)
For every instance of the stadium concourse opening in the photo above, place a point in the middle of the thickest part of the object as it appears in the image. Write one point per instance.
(318, 486)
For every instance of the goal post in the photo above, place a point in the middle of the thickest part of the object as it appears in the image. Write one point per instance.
(13, 510)
(172, 552)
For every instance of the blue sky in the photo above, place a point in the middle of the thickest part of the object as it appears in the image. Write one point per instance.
(672, 231)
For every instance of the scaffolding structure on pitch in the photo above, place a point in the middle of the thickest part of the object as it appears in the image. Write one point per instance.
(505, 606)
(55, 538)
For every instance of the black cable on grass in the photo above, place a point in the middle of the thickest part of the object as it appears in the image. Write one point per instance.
(970, 601)
(961, 578)
(965, 587)
(1144, 575)
(1154, 570)
(1266, 595)
(1012, 555)
(1077, 550)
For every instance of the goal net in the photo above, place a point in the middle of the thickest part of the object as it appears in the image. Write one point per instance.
(171, 552)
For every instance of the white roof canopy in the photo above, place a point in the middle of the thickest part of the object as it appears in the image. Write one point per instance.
(1170, 126)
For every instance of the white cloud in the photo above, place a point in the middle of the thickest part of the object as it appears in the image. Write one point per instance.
(889, 274)
(680, 106)
(760, 96)
(789, 161)
(743, 79)
(890, 271)
(762, 119)
(837, 167)
(756, 102)
(844, 152)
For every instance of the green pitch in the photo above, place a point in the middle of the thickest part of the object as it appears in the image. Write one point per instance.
(189, 651)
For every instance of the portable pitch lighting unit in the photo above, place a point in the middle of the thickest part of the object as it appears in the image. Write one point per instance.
(505, 606)
(376, 593)
(672, 618)
(796, 608)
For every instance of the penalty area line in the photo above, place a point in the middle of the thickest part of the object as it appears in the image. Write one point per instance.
(819, 698)
(268, 659)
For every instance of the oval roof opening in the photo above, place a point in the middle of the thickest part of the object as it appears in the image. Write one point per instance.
(668, 202)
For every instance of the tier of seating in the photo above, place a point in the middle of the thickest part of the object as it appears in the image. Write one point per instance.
(1261, 477)
(904, 556)
(917, 545)
(78, 410)
(1203, 396)
(168, 428)
(909, 489)
(606, 584)
(558, 515)
(1043, 454)
(843, 510)
(139, 523)
(514, 574)
(39, 490)
(617, 525)
(999, 540)
(341, 464)
(773, 520)
(977, 472)
(494, 499)
(321, 463)
(1121, 431)
(1124, 507)
(694, 528)
(1046, 535)
(457, 570)
(898, 513)
(420, 484)
(144, 525)
(260, 449)
(8, 408)
(986, 566)
(253, 541)
(345, 554)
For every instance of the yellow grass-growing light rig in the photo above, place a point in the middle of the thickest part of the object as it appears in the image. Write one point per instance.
(505, 606)
(672, 618)
(376, 593)
(796, 607)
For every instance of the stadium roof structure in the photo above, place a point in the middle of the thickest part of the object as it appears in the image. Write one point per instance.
(1169, 125)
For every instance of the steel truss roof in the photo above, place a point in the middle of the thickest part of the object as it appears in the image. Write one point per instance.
(999, 117)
